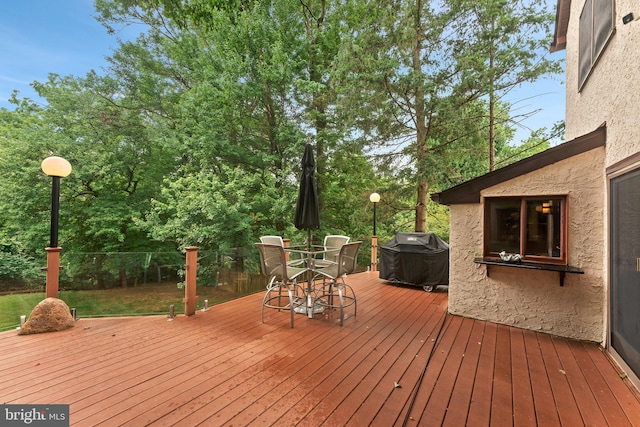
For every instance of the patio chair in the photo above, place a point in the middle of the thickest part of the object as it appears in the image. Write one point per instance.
(277, 240)
(272, 240)
(336, 293)
(282, 277)
(332, 241)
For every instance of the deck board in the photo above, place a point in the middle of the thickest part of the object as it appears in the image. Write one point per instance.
(543, 400)
(502, 400)
(523, 407)
(564, 399)
(480, 408)
(225, 367)
(460, 401)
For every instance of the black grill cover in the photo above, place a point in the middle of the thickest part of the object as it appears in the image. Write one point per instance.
(416, 259)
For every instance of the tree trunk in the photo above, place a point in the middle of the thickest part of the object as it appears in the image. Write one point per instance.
(421, 207)
(318, 106)
(123, 278)
(270, 134)
(421, 125)
(492, 102)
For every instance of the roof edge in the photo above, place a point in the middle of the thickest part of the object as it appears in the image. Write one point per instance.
(563, 12)
(469, 191)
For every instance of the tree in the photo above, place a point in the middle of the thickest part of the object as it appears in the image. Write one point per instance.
(238, 104)
(505, 44)
(398, 75)
(258, 84)
(411, 79)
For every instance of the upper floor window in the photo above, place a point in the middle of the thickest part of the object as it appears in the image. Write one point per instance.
(596, 26)
(535, 227)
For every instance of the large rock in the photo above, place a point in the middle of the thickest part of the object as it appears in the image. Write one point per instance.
(50, 315)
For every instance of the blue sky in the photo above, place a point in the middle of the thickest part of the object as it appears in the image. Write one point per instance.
(38, 37)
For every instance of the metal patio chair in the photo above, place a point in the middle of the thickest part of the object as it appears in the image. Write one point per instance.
(277, 240)
(335, 292)
(272, 240)
(282, 278)
(332, 244)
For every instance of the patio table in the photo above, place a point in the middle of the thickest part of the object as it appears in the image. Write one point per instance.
(310, 258)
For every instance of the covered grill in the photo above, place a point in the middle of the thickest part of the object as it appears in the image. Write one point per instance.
(420, 259)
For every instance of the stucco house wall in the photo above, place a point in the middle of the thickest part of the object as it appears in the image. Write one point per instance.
(534, 299)
(609, 95)
(611, 90)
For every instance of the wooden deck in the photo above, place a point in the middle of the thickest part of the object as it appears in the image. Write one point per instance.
(401, 361)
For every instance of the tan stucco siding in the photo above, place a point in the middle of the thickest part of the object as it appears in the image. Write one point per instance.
(534, 299)
(610, 92)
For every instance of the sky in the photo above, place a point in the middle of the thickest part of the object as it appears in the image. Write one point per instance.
(38, 37)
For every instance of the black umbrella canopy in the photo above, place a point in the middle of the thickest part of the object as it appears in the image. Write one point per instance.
(307, 215)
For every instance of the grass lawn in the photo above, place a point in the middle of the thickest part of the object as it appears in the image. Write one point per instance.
(141, 300)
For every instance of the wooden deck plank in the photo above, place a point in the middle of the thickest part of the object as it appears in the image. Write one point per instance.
(319, 365)
(395, 410)
(625, 394)
(385, 401)
(355, 385)
(434, 366)
(460, 401)
(564, 399)
(604, 399)
(378, 388)
(523, 409)
(502, 401)
(585, 399)
(284, 357)
(545, 407)
(203, 371)
(332, 378)
(440, 398)
(225, 367)
(480, 408)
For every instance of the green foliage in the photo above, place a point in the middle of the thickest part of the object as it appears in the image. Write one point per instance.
(18, 272)
(216, 211)
(194, 134)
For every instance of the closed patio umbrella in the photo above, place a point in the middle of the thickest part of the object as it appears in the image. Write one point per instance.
(307, 214)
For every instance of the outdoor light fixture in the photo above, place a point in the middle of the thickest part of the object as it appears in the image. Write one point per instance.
(56, 168)
(374, 198)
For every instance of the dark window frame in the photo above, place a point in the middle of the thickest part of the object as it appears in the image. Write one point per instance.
(596, 26)
(561, 259)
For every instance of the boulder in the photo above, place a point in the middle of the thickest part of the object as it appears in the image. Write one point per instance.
(50, 315)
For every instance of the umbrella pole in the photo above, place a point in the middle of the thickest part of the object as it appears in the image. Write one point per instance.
(310, 301)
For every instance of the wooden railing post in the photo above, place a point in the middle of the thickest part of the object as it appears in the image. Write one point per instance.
(53, 271)
(374, 253)
(191, 269)
(287, 243)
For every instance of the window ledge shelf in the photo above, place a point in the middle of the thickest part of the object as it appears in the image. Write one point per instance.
(561, 269)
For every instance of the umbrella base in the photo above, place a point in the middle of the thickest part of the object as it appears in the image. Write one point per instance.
(310, 308)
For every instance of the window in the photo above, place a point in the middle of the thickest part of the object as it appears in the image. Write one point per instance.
(596, 26)
(535, 227)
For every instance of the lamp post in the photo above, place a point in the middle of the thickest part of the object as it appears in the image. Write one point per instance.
(56, 168)
(374, 198)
